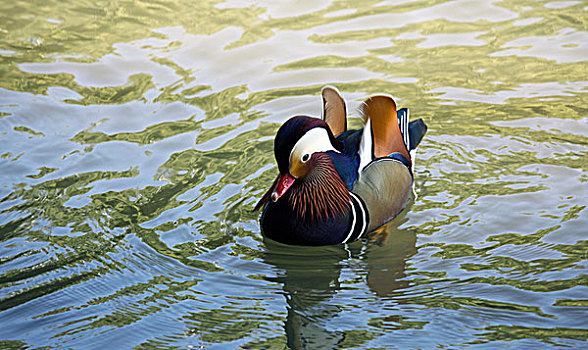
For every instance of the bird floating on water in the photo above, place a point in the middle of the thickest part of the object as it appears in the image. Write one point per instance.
(335, 185)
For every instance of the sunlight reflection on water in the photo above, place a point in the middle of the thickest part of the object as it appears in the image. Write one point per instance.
(134, 142)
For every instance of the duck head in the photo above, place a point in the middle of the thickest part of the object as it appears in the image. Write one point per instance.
(301, 147)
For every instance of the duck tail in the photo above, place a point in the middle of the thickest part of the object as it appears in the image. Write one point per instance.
(416, 130)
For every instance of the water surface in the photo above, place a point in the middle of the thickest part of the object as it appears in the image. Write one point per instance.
(136, 137)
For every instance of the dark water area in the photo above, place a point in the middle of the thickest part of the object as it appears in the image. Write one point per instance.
(136, 138)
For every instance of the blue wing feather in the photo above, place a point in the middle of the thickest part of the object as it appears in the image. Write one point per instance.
(347, 162)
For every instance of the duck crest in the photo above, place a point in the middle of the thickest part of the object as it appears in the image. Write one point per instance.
(322, 194)
(289, 134)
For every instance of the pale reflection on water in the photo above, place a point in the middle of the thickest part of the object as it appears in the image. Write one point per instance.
(135, 140)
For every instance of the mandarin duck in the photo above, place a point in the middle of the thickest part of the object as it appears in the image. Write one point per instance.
(335, 185)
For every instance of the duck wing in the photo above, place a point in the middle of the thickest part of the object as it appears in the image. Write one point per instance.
(387, 138)
(385, 176)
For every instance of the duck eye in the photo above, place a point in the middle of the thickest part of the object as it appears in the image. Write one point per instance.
(305, 157)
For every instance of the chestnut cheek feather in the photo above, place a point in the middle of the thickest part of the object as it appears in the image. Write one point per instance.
(321, 193)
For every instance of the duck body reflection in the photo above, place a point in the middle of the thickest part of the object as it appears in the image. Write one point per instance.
(311, 278)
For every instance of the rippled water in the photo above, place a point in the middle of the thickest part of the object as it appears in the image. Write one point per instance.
(135, 138)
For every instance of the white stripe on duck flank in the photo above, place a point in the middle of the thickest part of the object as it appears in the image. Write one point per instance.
(362, 220)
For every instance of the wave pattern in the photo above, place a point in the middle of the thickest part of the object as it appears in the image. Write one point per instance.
(135, 138)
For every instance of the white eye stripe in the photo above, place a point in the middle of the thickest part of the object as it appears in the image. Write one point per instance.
(315, 140)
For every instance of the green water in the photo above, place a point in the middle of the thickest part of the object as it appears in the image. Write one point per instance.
(136, 137)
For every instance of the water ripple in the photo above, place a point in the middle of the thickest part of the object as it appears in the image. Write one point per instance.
(135, 140)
